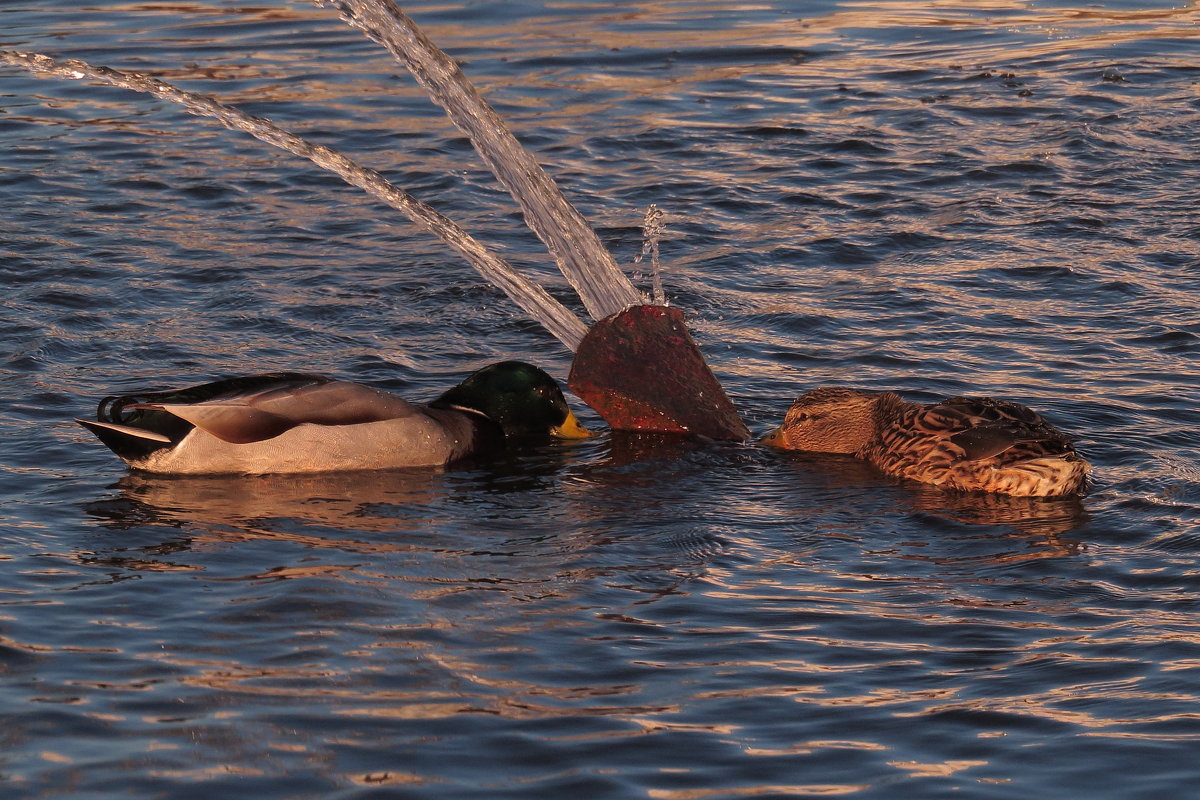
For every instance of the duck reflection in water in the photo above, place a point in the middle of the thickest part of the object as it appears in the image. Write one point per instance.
(383, 501)
(512, 521)
(1047, 517)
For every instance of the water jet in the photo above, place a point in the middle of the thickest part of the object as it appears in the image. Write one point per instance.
(637, 366)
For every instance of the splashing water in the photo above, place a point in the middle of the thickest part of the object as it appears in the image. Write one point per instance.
(531, 297)
(581, 257)
(603, 288)
(653, 224)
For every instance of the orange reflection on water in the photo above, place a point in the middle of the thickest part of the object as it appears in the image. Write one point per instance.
(57, 758)
(941, 769)
(389, 779)
(796, 790)
(807, 748)
(1049, 705)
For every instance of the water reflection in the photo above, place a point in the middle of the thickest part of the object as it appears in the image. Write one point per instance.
(627, 618)
(1039, 516)
(626, 448)
(338, 501)
(518, 523)
(1045, 516)
(651, 505)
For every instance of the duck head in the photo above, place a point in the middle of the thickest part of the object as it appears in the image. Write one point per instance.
(522, 399)
(827, 420)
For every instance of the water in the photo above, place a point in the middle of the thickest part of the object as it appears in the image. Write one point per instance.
(527, 294)
(936, 199)
(654, 223)
(580, 255)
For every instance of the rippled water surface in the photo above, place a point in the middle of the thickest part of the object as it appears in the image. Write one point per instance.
(938, 198)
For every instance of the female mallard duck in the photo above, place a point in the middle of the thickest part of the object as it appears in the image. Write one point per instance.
(967, 443)
(290, 422)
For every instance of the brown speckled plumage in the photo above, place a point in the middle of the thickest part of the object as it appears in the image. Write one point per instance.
(966, 443)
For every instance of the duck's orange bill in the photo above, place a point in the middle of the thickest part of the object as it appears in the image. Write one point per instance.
(571, 429)
(642, 371)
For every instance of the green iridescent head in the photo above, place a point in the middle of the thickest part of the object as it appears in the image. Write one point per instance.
(522, 399)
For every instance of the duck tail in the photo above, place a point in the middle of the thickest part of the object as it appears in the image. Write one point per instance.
(130, 443)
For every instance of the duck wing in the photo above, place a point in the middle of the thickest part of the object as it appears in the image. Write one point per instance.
(993, 438)
(987, 409)
(984, 428)
(256, 408)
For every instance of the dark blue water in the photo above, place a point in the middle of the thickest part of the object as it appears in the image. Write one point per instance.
(931, 198)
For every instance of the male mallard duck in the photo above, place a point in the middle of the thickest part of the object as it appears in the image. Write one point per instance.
(968, 443)
(291, 422)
